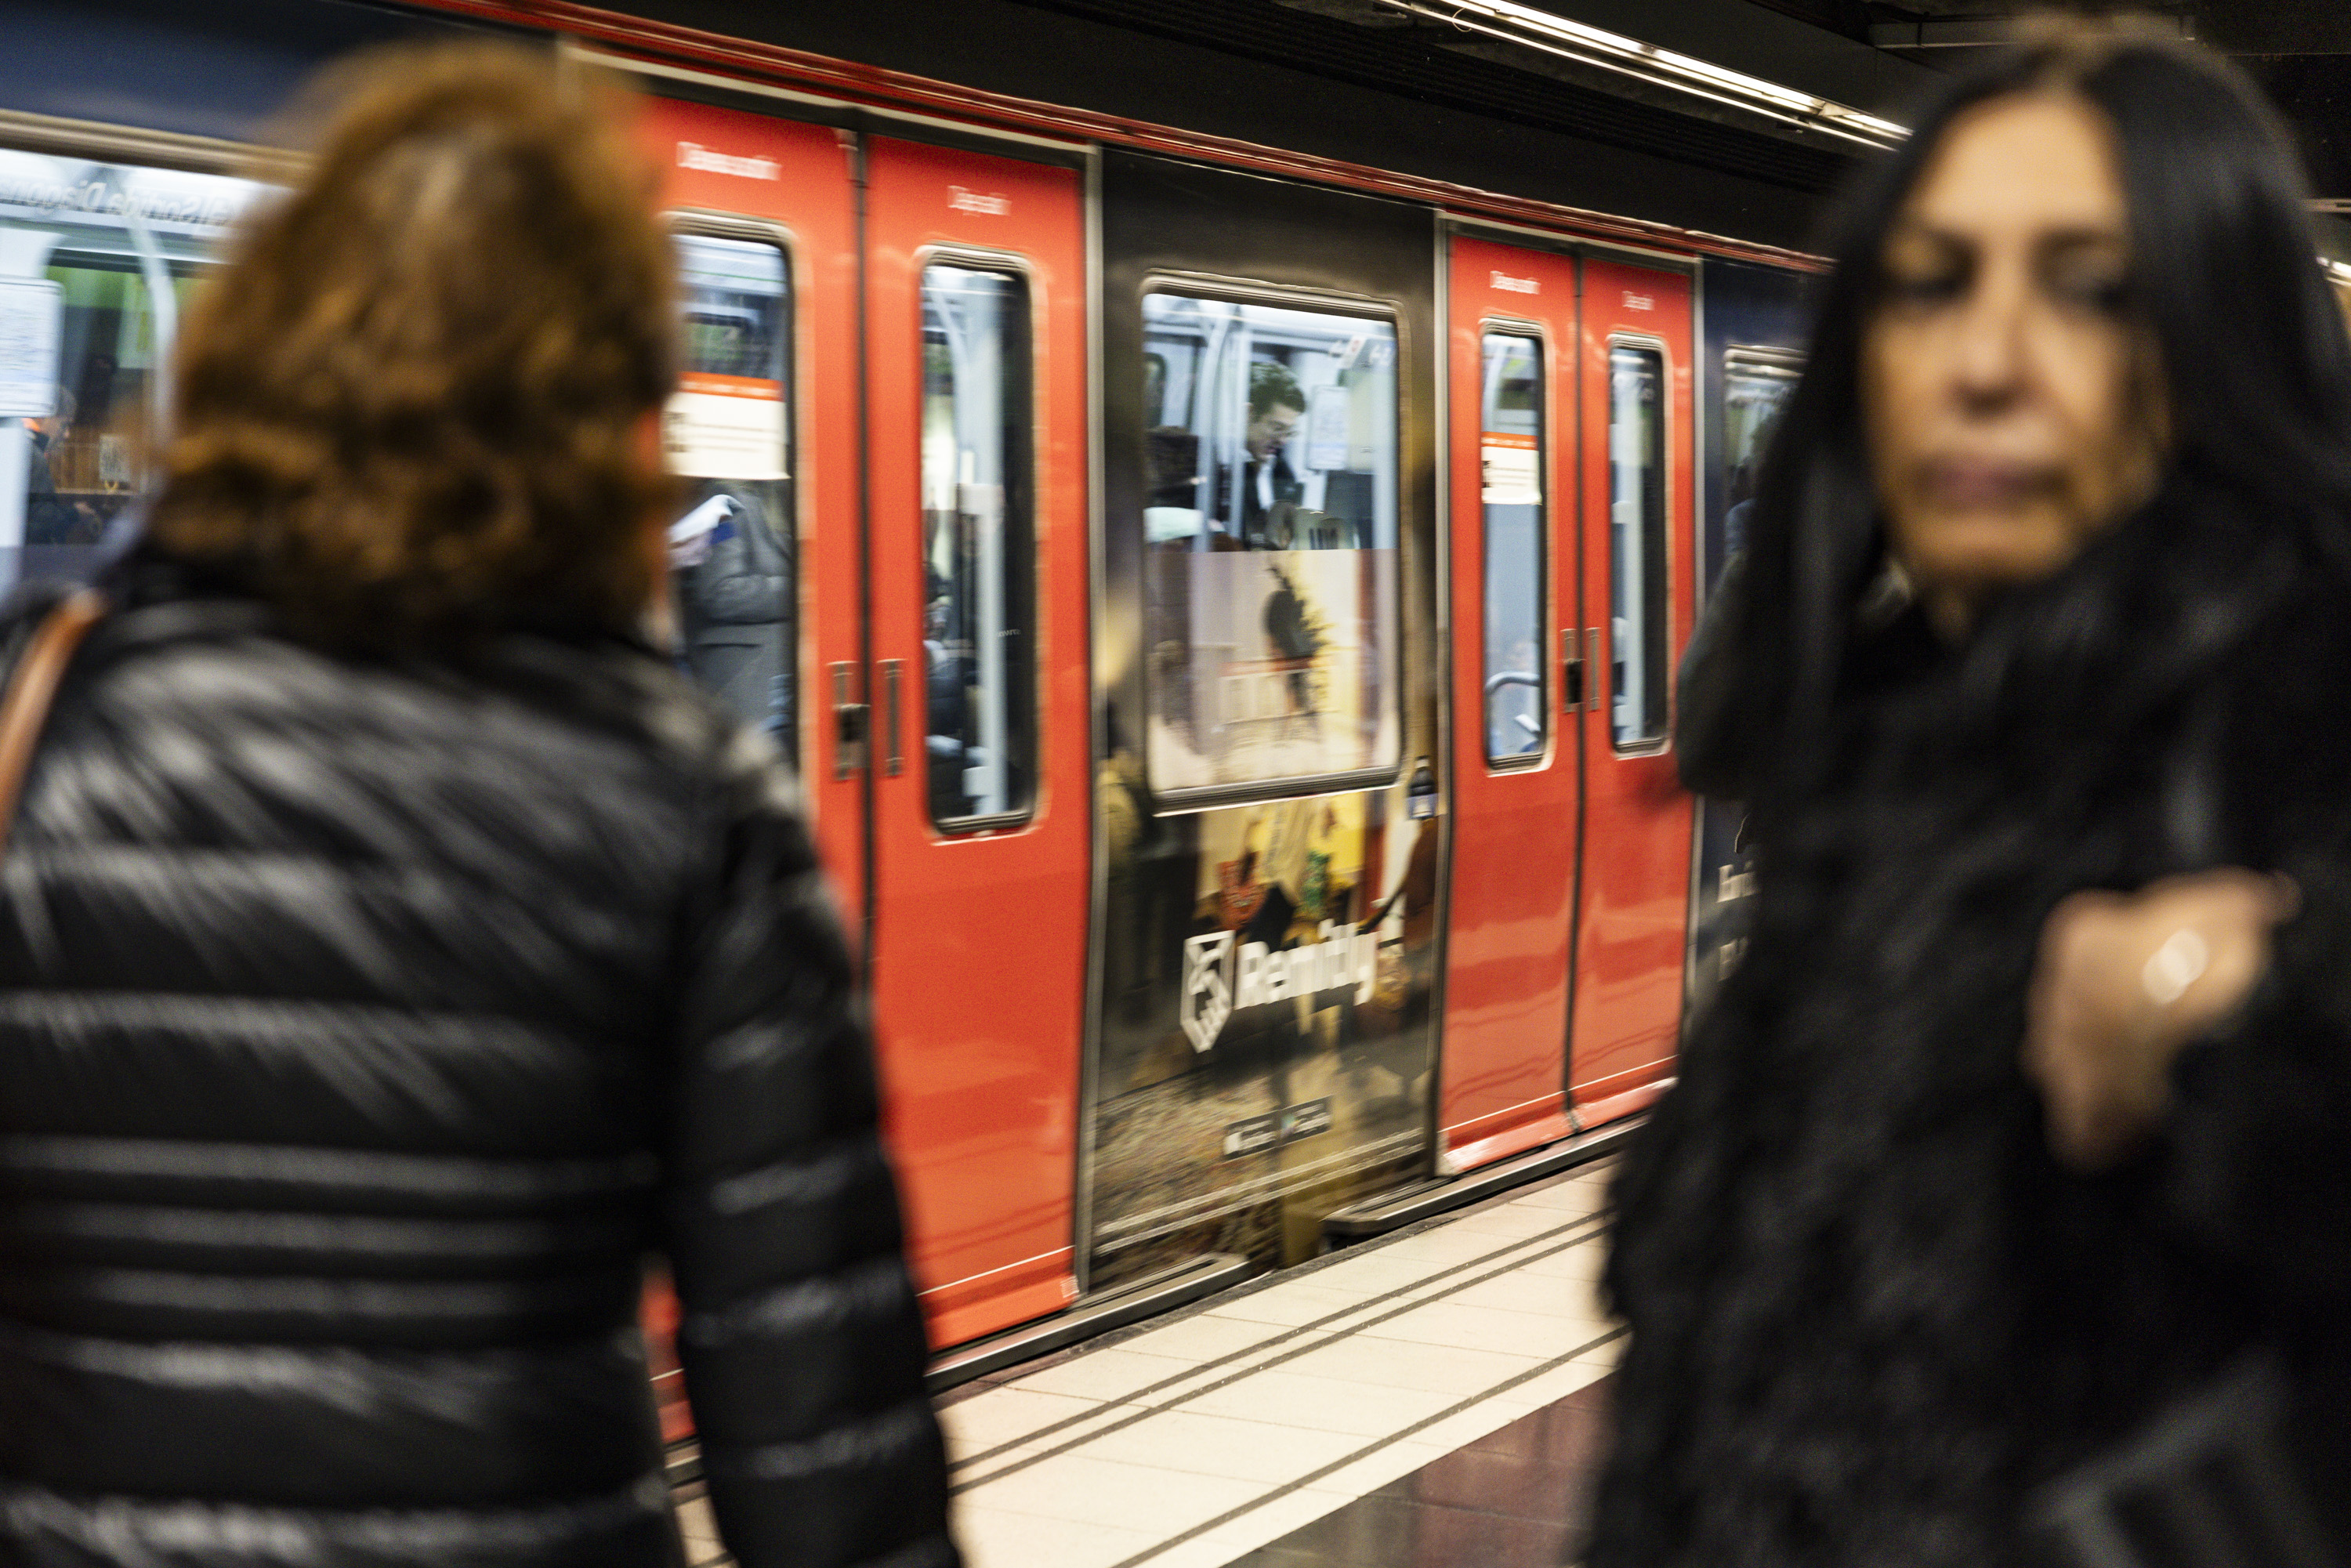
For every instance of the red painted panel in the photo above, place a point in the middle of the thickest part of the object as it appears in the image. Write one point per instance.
(1503, 1068)
(979, 945)
(1637, 820)
(797, 178)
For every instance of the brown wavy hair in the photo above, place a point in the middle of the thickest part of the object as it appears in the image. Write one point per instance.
(412, 409)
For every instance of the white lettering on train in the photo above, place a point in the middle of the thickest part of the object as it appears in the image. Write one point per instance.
(1639, 301)
(966, 201)
(695, 155)
(1221, 978)
(1509, 285)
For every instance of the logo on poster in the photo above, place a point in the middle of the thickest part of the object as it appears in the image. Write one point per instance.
(1208, 987)
(1220, 979)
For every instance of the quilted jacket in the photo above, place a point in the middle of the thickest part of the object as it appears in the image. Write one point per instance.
(364, 1027)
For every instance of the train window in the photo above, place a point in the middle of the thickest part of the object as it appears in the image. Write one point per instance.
(1270, 530)
(1640, 677)
(97, 262)
(1756, 384)
(727, 431)
(979, 550)
(1510, 462)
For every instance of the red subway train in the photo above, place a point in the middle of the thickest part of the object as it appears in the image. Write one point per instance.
(1222, 601)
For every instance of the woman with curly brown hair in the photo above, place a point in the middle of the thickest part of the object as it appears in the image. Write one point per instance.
(396, 952)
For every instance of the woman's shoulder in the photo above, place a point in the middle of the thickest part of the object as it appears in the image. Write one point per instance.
(605, 717)
(2294, 659)
(628, 690)
(2276, 709)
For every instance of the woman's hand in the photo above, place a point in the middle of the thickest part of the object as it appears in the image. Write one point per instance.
(2124, 981)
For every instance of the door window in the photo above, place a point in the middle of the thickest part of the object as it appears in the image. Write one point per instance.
(726, 432)
(1756, 384)
(1510, 462)
(97, 263)
(979, 734)
(1270, 526)
(1640, 676)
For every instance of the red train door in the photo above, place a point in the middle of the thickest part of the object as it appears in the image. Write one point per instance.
(921, 648)
(977, 373)
(1637, 433)
(765, 557)
(765, 213)
(1516, 754)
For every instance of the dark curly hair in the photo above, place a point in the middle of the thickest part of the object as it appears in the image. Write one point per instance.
(1272, 386)
(412, 410)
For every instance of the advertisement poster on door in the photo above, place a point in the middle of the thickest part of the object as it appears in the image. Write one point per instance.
(1267, 1045)
(1270, 665)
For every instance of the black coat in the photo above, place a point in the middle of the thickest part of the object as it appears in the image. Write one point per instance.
(363, 1027)
(1870, 1313)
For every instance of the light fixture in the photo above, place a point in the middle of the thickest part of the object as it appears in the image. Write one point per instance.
(1578, 41)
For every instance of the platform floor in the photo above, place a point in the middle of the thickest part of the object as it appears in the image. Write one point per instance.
(1431, 1397)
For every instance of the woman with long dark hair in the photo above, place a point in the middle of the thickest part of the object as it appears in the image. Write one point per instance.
(2028, 1112)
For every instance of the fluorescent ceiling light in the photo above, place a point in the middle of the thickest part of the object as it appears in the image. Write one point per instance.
(1524, 24)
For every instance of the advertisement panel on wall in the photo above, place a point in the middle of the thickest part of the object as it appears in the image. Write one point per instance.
(1268, 1051)
(1266, 1055)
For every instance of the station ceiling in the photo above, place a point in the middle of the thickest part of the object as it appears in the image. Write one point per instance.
(1419, 85)
(2298, 50)
(1871, 55)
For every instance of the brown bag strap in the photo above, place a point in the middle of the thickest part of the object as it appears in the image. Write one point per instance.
(33, 686)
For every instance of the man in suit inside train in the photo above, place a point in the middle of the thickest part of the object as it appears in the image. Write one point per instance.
(1270, 488)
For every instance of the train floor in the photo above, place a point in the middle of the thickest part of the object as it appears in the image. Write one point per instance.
(1432, 1397)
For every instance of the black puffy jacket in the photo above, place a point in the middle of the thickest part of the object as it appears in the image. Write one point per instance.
(363, 1028)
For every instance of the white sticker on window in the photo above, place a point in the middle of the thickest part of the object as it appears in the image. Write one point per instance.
(32, 311)
(1510, 467)
(725, 427)
(1326, 428)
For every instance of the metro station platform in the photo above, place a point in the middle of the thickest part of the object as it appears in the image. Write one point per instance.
(1432, 1397)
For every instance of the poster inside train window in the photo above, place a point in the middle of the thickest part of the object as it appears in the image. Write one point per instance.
(1269, 529)
(99, 262)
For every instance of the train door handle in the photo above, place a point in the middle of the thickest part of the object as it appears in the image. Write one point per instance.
(849, 726)
(1571, 671)
(894, 761)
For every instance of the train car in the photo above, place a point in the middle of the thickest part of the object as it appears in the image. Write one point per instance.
(1753, 337)
(1222, 601)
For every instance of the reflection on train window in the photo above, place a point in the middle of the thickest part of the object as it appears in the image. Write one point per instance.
(97, 262)
(1270, 541)
(1639, 675)
(979, 636)
(1756, 384)
(1510, 465)
(727, 431)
